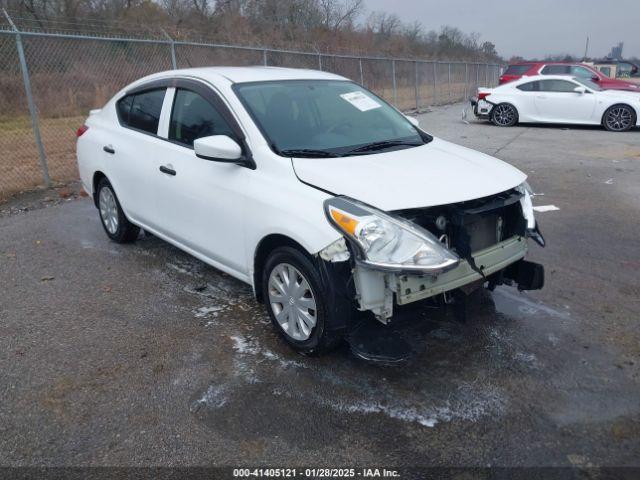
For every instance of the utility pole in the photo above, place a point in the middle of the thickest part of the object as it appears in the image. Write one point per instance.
(586, 49)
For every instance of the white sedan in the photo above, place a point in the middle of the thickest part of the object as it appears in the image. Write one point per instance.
(558, 99)
(308, 187)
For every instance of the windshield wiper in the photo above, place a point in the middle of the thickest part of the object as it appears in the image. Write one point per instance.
(371, 147)
(308, 153)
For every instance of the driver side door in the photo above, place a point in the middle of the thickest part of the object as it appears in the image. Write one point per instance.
(556, 101)
(202, 201)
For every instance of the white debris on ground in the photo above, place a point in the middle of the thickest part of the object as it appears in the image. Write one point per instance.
(545, 208)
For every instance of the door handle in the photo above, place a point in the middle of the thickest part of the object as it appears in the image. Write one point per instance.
(541, 97)
(109, 149)
(167, 170)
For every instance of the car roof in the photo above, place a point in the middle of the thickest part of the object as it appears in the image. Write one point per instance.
(534, 78)
(248, 74)
(550, 63)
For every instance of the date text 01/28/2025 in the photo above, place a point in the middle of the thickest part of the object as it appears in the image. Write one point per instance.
(315, 473)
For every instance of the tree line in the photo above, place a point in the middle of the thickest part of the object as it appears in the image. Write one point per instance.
(329, 26)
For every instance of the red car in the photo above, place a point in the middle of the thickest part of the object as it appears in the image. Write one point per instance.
(518, 70)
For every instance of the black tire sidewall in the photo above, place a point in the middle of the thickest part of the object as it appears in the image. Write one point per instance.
(633, 118)
(319, 335)
(126, 230)
(515, 119)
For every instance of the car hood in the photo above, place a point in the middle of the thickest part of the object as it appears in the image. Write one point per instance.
(437, 173)
(622, 94)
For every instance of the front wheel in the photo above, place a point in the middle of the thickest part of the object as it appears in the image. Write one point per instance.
(297, 302)
(504, 115)
(619, 118)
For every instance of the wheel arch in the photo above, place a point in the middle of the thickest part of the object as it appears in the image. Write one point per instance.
(97, 177)
(265, 246)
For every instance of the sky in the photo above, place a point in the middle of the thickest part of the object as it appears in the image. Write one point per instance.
(531, 28)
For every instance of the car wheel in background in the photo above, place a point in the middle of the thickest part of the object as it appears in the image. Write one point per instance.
(504, 115)
(619, 118)
(113, 219)
(297, 301)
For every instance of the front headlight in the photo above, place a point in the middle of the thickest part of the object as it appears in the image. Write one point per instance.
(385, 242)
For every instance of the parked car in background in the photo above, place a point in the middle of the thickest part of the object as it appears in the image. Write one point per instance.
(558, 99)
(308, 187)
(622, 68)
(580, 70)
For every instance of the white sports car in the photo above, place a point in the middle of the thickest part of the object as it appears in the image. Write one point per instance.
(558, 99)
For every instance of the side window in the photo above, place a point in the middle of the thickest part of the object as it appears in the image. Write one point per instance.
(529, 87)
(142, 110)
(555, 70)
(581, 72)
(557, 86)
(145, 110)
(193, 117)
(123, 107)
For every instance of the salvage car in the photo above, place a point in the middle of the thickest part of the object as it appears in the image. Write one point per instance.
(557, 99)
(308, 187)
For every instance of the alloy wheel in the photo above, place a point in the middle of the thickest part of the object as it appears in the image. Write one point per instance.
(504, 115)
(619, 119)
(292, 301)
(108, 210)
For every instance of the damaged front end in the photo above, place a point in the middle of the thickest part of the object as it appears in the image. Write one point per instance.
(415, 254)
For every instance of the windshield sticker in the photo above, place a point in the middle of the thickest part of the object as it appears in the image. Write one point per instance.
(361, 101)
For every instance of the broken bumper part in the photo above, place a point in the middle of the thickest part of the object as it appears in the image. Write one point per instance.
(490, 260)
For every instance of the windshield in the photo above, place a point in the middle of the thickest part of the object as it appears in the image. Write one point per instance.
(588, 83)
(322, 118)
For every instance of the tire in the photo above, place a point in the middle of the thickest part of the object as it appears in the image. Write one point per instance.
(309, 330)
(116, 225)
(619, 118)
(504, 115)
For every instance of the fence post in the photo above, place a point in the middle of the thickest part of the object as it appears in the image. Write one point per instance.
(477, 75)
(264, 57)
(435, 82)
(449, 80)
(319, 61)
(486, 75)
(416, 86)
(466, 80)
(32, 106)
(361, 72)
(395, 86)
(172, 45)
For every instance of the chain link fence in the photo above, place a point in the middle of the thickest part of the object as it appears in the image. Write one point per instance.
(50, 81)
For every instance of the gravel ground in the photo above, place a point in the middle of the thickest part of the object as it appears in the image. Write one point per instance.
(143, 355)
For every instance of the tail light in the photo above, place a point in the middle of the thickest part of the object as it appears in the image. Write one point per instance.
(81, 130)
(483, 95)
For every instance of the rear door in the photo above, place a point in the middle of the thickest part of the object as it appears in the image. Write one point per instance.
(556, 101)
(131, 150)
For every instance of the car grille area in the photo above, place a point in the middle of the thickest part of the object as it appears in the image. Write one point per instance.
(471, 226)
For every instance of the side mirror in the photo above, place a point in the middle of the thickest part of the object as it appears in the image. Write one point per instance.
(414, 121)
(580, 90)
(595, 78)
(218, 148)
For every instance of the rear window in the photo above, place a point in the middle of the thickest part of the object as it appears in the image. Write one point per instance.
(556, 70)
(517, 69)
(141, 110)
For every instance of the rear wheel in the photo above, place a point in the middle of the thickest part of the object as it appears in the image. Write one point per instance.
(113, 219)
(619, 118)
(504, 115)
(297, 302)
